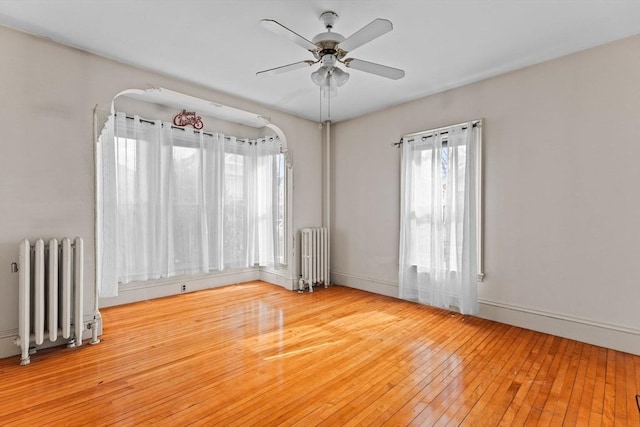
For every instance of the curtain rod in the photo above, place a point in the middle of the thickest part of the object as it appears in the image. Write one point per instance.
(440, 131)
(151, 122)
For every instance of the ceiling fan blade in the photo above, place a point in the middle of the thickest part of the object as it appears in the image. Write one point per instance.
(373, 68)
(285, 68)
(283, 31)
(372, 30)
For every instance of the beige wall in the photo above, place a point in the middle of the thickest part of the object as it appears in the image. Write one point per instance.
(561, 193)
(47, 94)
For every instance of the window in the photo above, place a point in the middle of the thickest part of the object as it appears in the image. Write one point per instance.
(441, 236)
(184, 202)
(235, 211)
(452, 163)
(282, 210)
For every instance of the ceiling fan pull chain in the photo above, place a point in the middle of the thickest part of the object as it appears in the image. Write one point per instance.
(320, 106)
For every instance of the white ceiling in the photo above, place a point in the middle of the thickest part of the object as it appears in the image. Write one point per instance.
(220, 44)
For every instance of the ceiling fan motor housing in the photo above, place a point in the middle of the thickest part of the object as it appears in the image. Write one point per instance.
(327, 41)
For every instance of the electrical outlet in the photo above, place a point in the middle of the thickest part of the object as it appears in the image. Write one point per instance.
(183, 288)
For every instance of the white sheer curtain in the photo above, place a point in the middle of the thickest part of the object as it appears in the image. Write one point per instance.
(438, 236)
(266, 248)
(250, 202)
(172, 201)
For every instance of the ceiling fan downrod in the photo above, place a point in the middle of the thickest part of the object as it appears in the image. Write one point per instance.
(328, 19)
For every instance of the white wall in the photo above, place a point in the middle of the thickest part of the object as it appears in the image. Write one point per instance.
(561, 193)
(47, 95)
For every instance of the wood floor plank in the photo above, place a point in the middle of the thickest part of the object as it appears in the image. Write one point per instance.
(312, 388)
(439, 399)
(490, 408)
(609, 402)
(389, 404)
(241, 395)
(391, 368)
(359, 358)
(556, 382)
(423, 371)
(521, 384)
(569, 390)
(478, 374)
(525, 396)
(633, 388)
(543, 386)
(584, 408)
(256, 354)
(599, 388)
(619, 392)
(476, 389)
(293, 364)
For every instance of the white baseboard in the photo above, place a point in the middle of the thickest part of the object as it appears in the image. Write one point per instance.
(368, 284)
(588, 331)
(584, 330)
(7, 344)
(142, 291)
(280, 278)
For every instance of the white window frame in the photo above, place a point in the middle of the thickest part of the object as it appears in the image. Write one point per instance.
(283, 250)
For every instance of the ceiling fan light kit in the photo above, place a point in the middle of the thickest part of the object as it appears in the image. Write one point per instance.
(330, 49)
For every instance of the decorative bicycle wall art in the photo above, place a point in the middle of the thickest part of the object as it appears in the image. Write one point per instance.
(188, 118)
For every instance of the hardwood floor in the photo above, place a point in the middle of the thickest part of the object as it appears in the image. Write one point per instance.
(255, 354)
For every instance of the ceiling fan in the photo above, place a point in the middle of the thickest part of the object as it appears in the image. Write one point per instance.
(330, 49)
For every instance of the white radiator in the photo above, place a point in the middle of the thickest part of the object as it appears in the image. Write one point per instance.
(314, 258)
(50, 293)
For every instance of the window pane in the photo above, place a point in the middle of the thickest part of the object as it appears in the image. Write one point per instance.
(187, 229)
(235, 239)
(282, 202)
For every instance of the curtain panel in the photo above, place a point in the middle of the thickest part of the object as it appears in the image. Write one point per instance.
(438, 236)
(174, 201)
